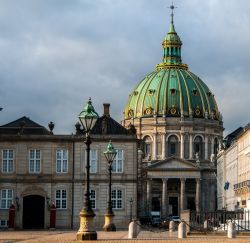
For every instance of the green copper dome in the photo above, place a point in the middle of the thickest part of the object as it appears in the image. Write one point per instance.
(172, 90)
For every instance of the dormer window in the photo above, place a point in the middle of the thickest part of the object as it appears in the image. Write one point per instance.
(172, 91)
(195, 92)
(151, 91)
(209, 93)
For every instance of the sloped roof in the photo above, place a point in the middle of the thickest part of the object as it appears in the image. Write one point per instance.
(172, 163)
(23, 125)
(107, 125)
(232, 136)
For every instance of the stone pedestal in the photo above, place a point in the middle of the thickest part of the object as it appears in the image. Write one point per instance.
(231, 233)
(182, 231)
(86, 230)
(109, 225)
(133, 230)
(171, 226)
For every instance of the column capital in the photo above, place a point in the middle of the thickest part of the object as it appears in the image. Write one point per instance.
(164, 179)
(182, 179)
(198, 179)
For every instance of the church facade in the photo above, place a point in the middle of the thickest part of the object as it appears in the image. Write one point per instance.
(179, 125)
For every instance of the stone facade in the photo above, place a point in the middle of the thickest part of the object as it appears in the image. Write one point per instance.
(61, 180)
(177, 166)
(233, 169)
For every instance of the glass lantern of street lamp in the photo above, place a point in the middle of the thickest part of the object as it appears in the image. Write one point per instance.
(110, 153)
(88, 117)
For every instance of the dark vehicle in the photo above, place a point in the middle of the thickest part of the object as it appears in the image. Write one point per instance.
(156, 222)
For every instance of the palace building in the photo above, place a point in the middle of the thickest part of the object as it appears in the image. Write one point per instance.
(39, 168)
(178, 121)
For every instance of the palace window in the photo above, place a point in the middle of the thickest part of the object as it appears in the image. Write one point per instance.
(61, 161)
(8, 161)
(93, 161)
(117, 165)
(92, 198)
(116, 198)
(61, 199)
(6, 198)
(34, 161)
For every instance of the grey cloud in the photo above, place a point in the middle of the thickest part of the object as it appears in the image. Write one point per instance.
(55, 54)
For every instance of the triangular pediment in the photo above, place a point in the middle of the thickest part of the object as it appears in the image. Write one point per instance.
(172, 163)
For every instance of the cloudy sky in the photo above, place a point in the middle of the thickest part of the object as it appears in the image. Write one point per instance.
(54, 54)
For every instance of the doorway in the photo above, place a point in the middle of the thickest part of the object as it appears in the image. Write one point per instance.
(33, 212)
(191, 203)
(173, 206)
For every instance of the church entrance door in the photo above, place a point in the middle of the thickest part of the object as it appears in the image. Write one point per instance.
(173, 206)
(33, 212)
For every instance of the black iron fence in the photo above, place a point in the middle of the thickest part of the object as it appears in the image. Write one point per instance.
(217, 220)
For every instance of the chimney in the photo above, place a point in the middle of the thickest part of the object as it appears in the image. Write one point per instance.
(106, 109)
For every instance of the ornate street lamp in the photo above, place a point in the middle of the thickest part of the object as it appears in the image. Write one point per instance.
(88, 118)
(110, 154)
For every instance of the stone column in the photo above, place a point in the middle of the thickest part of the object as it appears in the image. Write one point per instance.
(212, 145)
(183, 194)
(149, 196)
(163, 156)
(182, 146)
(190, 146)
(154, 155)
(198, 195)
(164, 205)
(206, 147)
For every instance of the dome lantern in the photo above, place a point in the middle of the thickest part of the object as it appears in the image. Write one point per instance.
(171, 47)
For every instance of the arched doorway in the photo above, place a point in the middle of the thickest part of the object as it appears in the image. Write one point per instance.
(33, 212)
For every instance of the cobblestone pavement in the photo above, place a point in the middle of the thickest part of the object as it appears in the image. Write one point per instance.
(112, 237)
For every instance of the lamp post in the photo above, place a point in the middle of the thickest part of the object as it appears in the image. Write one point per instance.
(131, 205)
(110, 154)
(88, 118)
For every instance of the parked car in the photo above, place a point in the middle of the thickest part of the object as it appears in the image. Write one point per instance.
(175, 219)
(156, 221)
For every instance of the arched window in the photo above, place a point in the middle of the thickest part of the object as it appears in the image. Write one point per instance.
(167, 51)
(147, 145)
(216, 145)
(172, 145)
(198, 146)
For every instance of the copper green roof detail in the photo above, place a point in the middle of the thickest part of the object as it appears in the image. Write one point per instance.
(89, 111)
(172, 90)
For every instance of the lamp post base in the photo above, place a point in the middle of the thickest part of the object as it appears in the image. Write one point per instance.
(89, 235)
(109, 225)
(86, 230)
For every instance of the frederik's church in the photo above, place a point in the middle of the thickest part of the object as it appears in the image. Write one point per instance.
(165, 163)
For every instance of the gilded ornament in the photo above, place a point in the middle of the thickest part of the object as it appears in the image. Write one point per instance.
(173, 110)
(130, 113)
(148, 111)
(197, 111)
